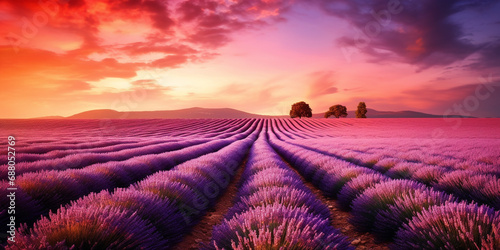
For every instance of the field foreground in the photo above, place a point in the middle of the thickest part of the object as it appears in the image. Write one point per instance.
(252, 184)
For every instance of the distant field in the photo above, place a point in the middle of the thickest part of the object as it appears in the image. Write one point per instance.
(253, 183)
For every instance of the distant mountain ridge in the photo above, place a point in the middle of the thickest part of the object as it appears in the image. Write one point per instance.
(220, 113)
(372, 113)
(190, 113)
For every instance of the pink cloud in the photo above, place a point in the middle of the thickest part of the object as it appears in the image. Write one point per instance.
(322, 83)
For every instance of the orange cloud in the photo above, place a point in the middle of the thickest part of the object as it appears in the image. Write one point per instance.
(52, 50)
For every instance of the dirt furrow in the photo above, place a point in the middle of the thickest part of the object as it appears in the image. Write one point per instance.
(340, 219)
(201, 234)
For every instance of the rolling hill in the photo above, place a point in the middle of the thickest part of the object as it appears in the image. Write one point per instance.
(224, 113)
(190, 113)
(372, 113)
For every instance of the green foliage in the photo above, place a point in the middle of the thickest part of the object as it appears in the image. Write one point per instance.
(300, 109)
(361, 111)
(337, 111)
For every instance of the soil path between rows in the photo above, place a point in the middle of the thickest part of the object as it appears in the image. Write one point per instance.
(201, 233)
(340, 219)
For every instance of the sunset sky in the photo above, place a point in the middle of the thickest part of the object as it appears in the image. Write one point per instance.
(259, 56)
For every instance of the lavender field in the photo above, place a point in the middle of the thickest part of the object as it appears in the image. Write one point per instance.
(253, 184)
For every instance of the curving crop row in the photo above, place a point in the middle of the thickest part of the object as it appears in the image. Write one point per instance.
(38, 193)
(418, 217)
(227, 128)
(30, 157)
(329, 174)
(385, 153)
(82, 160)
(154, 213)
(383, 206)
(274, 209)
(203, 127)
(465, 184)
(48, 190)
(232, 129)
(53, 144)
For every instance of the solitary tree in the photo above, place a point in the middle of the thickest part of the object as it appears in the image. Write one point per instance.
(300, 109)
(361, 111)
(337, 111)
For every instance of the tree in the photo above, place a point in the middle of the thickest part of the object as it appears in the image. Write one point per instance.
(337, 111)
(300, 109)
(361, 111)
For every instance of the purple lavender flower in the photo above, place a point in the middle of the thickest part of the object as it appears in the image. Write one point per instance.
(451, 226)
(174, 191)
(428, 175)
(335, 179)
(270, 181)
(383, 165)
(118, 176)
(481, 188)
(26, 209)
(50, 188)
(356, 186)
(403, 170)
(163, 214)
(287, 196)
(404, 208)
(276, 226)
(378, 198)
(89, 228)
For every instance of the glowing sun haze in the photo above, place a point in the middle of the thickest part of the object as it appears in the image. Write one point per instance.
(260, 56)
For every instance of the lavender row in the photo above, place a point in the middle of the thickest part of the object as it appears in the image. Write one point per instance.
(152, 214)
(226, 128)
(111, 128)
(274, 209)
(412, 215)
(47, 190)
(294, 129)
(83, 160)
(31, 157)
(231, 130)
(329, 174)
(210, 128)
(417, 217)
(466, 184)
(382, 206)
(450, 154)
(38, 193)
(56, 143)
(204, 128)
(235, 129)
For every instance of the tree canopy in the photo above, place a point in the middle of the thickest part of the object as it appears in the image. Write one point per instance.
(361, 111)
(337, 111)
(300, 109)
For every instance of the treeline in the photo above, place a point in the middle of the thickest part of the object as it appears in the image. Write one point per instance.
(302, 109)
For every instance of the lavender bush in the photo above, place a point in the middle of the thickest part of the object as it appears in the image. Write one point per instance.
(357, 186)
(451, 226)
(468, 185)
(277, 227)
(388, 221)
(89, 228)
(378, 198)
